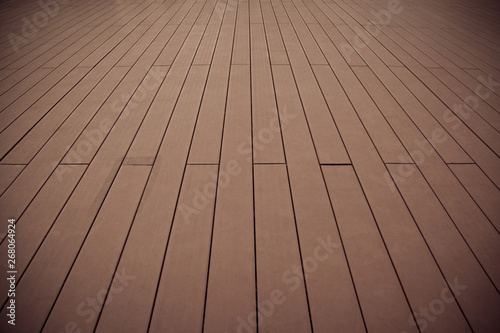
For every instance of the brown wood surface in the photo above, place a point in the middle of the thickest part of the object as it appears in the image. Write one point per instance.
(251, 165)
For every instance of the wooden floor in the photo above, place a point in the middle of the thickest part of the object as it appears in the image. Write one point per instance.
(250, 165)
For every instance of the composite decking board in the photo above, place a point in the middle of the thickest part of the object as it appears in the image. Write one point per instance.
(408, 212)
(4, 73)
(432, 16)
(231, 285)
(26, 88)
(405, 35)
(477, 41)
(483, 110)
(96, 74)
(241, 47)
(206, 144)
(470, 221)
(186, 15)
(426, 122)
(380, 18)
(115, 216)
(485, 158)
(360, 37)
(128, 35)
(267, 144)
(376, 126)
(180, 300)
(22, 128)
(43, 42)
(477, 295)
(412, 259)
(463, 61)
(335, 307)
(42, 36)
(255, 11)
(327, 141)
(352, 13)
(154, 217)
(486, 80)
(481, 189)
(206, 15)
(141, 85)
(307, 42)
(148, 139)
(479, 87)
(405, 50)
(51, 264)
(147, 38)
(381, 297)
(205, 51)
(304, 12)
(277, 52)
(103, 32)
(279, 12)
(44, 210)
(67, 38)
(468, 115)
(7, 175)
(20, 193)
(130, 30)
(469, 47)
(280, 290)
(88, 34)
(20, 106)
(348, 52)
(77, 99)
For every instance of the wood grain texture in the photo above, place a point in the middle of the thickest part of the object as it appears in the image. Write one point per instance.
(251, 165)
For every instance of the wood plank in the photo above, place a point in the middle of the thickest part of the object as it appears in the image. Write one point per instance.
(8, 173)
(75, 303)
(141, 86)
(381, 297)
(486, 113)
(241, 47)
(481, 189)
(37, 220)
(180, 300)
(327, 141)
(478, 151)
(449, 191)
(96, 74)
(349, 163)
(22, 191)
(207, 138)
(154, 217)
(43, 38)
(277, 51)
(309, 46)
(178, 40)
(383, 136)
(13, 93)
(148, 139)
(266, 132)
(411, 257)
(334, 307)
(231, 294)
(447, 147)
(205, 51)
(324, 15)
(476, 295)
(281, 291)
